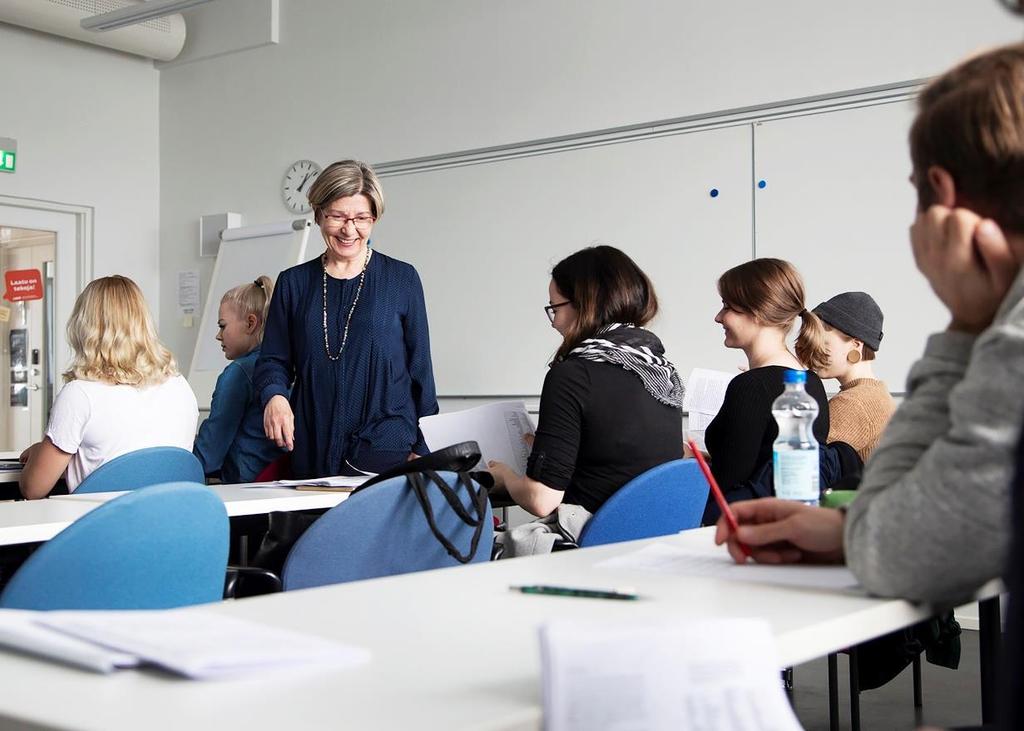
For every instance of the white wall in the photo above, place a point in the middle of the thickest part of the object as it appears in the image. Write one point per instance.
(87, 124)
(392, 80)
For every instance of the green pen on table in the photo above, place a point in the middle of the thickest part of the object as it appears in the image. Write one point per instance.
(573, 591)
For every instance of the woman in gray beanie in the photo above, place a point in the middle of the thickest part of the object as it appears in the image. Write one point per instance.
(863, 406)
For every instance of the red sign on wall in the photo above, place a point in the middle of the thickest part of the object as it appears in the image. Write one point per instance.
(23, 284)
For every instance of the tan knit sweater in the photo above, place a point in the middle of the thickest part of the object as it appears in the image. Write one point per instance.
(858, 414)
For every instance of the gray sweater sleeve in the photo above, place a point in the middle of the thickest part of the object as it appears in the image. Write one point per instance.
(931, 522)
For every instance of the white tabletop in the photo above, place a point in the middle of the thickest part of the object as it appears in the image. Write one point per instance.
(452, 649)
(240, 499)
(30, 521)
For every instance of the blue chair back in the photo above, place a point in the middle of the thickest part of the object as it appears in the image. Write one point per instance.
(158, 547)
(663, 500)
(144, 467)
(382, 531)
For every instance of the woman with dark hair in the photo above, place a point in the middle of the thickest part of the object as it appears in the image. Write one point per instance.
(611, 404)
(761, 300)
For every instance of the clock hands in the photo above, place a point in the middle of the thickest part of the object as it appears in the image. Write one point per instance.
(303, 183)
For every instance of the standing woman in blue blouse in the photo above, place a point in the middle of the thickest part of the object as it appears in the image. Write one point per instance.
(347, 333)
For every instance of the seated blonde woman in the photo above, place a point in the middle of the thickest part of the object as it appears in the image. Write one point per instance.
(122, 392)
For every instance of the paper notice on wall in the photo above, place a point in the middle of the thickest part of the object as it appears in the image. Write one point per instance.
(188, 293)
(5, 313)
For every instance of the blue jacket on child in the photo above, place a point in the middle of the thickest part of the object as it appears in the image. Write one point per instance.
(231, 440)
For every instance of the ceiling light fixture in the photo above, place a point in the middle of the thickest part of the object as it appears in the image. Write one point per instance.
(139, 13)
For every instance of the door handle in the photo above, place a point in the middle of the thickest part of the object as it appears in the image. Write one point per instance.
(32, 387)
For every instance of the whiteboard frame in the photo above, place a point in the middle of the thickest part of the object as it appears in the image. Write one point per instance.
(203, 380)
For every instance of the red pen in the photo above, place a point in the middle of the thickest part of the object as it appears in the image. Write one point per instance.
(717, 492)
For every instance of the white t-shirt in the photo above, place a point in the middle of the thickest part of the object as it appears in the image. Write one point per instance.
(95, 421)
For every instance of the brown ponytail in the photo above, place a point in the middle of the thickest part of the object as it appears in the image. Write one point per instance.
(810, 343)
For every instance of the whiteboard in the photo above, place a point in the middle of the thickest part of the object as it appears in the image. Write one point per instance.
(484, 238)
(245, 253)
(838, 204)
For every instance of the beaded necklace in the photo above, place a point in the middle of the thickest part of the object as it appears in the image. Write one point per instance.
(348, 320)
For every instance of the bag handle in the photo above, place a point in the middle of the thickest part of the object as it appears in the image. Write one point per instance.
(418, 482)
(459, 457)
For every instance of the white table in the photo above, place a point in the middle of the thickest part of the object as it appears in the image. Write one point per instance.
(452, 649)
(31, 521)
(241, 500)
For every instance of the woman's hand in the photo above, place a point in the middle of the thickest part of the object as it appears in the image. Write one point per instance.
(967, 261)
(783, 531)
(279, 422)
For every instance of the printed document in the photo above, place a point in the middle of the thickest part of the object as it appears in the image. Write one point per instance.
(703, 397)
(498, 428)
(193, 644)
(717, 674)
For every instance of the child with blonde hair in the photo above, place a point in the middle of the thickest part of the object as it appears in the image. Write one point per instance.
(123, 391)
(231, 443)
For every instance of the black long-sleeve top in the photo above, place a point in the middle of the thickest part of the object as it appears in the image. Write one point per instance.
(740, 437)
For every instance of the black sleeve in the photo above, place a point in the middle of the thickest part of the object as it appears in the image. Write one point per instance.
(556, 444)
(735, 435)
(817, 390)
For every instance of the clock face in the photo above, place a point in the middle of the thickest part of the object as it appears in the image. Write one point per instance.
(295, 185)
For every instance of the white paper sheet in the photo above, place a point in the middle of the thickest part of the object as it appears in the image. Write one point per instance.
(705, 392)
(339, 481)
(663, 558)
(202, 645)
(18, 631)
(498, 428)
(715, 674)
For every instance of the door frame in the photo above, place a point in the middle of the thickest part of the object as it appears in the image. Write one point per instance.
(74, 225)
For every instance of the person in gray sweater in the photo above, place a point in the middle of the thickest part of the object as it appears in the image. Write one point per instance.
(931, 520)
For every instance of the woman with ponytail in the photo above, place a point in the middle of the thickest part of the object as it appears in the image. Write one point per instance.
(231, 443)
(761, 300)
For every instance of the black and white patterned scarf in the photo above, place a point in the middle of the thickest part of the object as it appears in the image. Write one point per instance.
(640, 352)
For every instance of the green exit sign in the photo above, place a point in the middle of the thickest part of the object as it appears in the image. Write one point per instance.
(8, 154)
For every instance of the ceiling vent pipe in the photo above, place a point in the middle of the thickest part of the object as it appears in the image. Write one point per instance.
(160, 38)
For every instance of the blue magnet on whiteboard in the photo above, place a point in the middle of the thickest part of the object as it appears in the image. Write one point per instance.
(761, 183)
(714, 192)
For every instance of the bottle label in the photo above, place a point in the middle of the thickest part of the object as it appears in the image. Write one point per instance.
(796, 474)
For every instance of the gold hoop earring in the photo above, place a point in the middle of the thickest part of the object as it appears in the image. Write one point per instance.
(853, 357)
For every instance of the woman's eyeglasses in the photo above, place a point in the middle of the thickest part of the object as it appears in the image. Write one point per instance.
(550, 309)
(361, 222)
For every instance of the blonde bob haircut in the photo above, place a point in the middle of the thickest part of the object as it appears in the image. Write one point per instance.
(252, 299)
(772, 292)
(113, 338)
(343, 179)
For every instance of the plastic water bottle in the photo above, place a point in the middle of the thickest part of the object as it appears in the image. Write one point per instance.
(795, 452)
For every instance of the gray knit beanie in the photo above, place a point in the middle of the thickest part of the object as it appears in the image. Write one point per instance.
(856, 314)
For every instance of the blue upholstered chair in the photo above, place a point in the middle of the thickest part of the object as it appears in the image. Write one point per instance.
(663, 500)
(157, 547)
(382, 531)
(144, 467)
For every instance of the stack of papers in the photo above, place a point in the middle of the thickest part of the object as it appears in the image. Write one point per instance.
(192, 644)
(705, 392)
(498, 428)
(712, 674)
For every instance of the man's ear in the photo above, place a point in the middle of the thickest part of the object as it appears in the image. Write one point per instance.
(942, 186)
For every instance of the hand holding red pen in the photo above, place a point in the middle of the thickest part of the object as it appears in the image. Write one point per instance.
(782, 531)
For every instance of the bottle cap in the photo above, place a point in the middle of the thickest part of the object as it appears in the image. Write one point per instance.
(794, 376)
